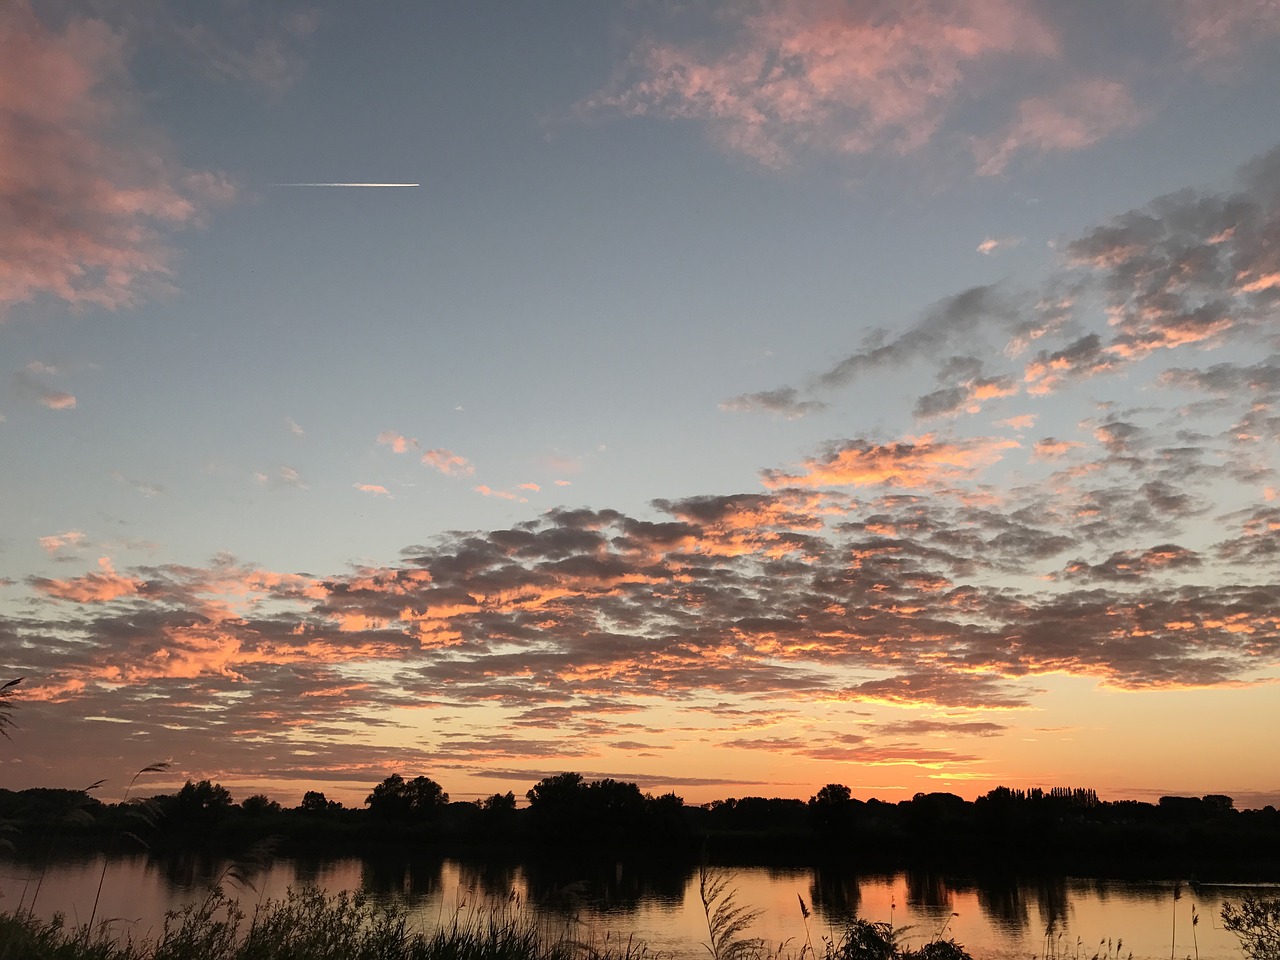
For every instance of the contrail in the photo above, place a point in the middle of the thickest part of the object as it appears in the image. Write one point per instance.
(346, 184)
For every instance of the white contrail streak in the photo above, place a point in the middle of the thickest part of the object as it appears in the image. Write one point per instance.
(346, 184)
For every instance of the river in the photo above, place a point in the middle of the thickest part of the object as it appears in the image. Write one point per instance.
(993, 918)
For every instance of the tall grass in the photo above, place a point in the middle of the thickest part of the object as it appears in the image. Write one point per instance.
(305, 925)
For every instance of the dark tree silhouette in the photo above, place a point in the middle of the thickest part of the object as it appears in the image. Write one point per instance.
(398, 799)
(259, 805)
(831, 810)
(313, 801)
(202, 797)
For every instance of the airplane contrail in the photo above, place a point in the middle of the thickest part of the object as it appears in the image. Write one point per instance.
(346, 184)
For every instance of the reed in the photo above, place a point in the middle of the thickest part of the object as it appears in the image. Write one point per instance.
(307, 925)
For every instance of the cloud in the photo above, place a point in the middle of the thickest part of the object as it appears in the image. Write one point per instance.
(397, 442)
(31, 386)
(448, 462)
(990, 245)
(486, 491)
(1216, 31)
(913, 462)
(374, 488)
(146, 488)
(1073, 117)
(283, 476)
(92, 587)
(1131, 564)
(92, 192)
(1051, 448)
(785, 79)
(784, 402)
(292, 426)
(61, 541)
(947, 323)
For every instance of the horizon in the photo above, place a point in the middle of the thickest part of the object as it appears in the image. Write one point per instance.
(746, 398)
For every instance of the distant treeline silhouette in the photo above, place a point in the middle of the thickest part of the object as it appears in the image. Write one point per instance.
(1059, 829)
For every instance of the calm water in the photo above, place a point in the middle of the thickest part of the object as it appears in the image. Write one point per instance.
(1000, 919)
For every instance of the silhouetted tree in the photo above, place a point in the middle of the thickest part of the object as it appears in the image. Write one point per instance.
(259, 805)
(831, 809)
(313, 801)
(398, 799)
(497, 816)
(204, 797)
(566, 808)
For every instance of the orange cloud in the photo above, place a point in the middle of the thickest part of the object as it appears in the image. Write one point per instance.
(375, 488)
(448, 462)
(92, 587)
(913, 462)
(90, 191)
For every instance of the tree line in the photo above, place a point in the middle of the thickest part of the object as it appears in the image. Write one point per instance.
(567, 813)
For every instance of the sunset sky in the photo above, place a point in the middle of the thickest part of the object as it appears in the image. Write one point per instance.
(751, 396)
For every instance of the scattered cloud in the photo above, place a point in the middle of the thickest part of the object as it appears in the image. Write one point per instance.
(797, 77)
(486, 491)
(1073, 117)
(784, 402)
(913, 462)
(57, 542)
(397, 442)
(990, 245)
(146, 488)
(448, 462)
(92, 192)
(374, 488)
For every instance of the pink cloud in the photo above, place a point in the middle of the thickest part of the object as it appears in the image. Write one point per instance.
(838, 78)
(60, 541)
(56, 400)
(1074, 117)
(1221, 30)
(486, 491)
(1052, 449)
(375, 488)
(91, 191)
(397, 442)
(991, 244)
(448, 462)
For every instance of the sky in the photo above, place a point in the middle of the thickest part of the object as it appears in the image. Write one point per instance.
(748, 397)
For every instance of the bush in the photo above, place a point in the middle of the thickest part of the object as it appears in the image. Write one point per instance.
(1256, 923)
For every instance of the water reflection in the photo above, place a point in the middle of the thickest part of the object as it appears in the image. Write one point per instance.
(494, 881)
(1003, 901)
(928, 889)
(835, 893)
(411, 879)
(613, 887)
(999, 917)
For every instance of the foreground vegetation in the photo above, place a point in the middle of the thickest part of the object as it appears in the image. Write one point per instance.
(312, 925)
